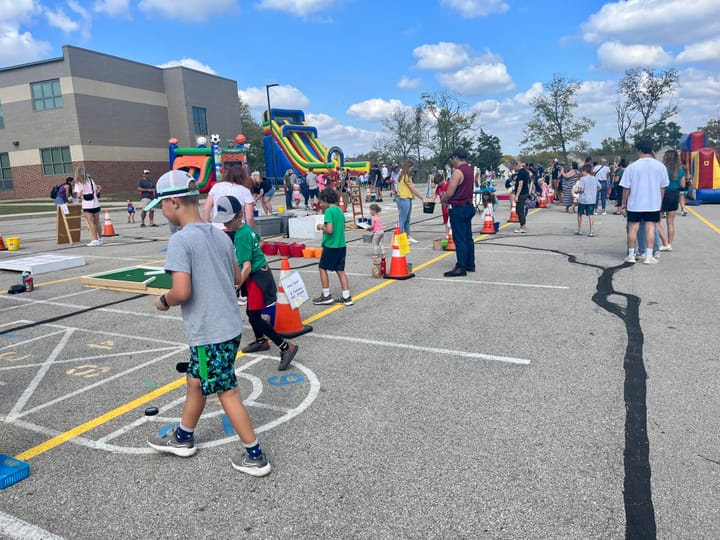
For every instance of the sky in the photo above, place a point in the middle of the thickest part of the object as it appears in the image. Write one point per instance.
(350, 63)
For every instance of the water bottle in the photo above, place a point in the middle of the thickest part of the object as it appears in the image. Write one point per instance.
(383, 266)
(28, 281)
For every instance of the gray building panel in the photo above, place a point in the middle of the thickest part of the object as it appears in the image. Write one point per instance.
(111, 69)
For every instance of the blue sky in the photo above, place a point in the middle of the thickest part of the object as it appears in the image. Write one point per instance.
(349, 63)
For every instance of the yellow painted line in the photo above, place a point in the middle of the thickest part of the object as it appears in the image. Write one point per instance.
(705, 221)
(95, 422)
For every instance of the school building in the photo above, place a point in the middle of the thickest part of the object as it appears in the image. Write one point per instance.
(109, 114)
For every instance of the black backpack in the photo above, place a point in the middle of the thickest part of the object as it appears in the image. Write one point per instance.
(54, 191)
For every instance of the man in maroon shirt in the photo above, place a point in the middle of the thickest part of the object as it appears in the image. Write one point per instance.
(459, 196)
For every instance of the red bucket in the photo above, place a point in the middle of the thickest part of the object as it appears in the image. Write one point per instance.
(270, 248)
(296, 250)
(284, 249)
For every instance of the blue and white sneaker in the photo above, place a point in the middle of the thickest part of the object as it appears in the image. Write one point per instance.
(166, 441)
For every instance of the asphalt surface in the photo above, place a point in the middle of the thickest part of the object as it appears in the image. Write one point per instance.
(555, 393)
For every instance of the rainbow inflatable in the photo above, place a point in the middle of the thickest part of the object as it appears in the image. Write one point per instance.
(206, 164)
(291, 144)
(703, 166)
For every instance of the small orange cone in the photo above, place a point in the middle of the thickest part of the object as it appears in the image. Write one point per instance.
(341, 203)
(488, 221)
(3, 247)
(108, 229)
(287, 320)
(514, 218)
(450, 241)
(542, 201)
(550, 196)
(398, 263)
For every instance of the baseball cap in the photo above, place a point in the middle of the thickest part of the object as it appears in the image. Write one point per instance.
(145, 171)
(173, 184)
(227, 208)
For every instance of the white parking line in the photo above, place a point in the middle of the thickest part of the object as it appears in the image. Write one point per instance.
(17, 529)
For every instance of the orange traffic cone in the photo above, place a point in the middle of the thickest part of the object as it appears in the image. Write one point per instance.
(108, 229)
(287, 319)
(3, 247)
(341, 203)
(488, 221)
(542, 201)
(550, 196)
(450, 242)
(513, 213)
(398, 264)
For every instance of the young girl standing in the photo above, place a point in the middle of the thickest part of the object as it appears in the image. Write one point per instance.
(441, 186)
(377, 231)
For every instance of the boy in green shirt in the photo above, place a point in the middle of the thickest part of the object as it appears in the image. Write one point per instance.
(257, 282)
(334, 249)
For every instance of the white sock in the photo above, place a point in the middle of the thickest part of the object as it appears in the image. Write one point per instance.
(326, 292)
(346, 294)
(631, 252)
(648, 253)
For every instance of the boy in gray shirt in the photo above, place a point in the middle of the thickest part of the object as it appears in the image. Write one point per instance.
(587, 190)
(204, 271)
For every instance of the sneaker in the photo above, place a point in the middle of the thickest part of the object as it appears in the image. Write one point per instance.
(604, 213)
(347, 301)
(142, 225)
(412, 240)
(323, 300)
(287, 356)
(640, 258)
(254, 467)
(520, 231)
(256, 346)
(630, 259)
(93, 243)
(578, 233)
(666, 248)
(242, 300)
(683, 213)
(99, 241)
(591, 234)
(166, 441)
(651, 260)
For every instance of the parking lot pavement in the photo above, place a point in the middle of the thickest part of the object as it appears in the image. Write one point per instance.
(555, 393)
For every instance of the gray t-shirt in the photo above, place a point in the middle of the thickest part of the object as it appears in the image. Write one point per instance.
(590, 186)
(311, 179)
(211, 314)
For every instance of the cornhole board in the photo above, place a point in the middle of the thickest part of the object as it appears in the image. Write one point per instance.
(135, 279)
(42, 263)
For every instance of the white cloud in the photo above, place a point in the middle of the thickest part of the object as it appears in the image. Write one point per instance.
(656, 21)
(189, 63)
(616, 56)
(302, 8)
(441, 56)
(375, 109)
(407, 83)
(19, 48)
(705, 51)
(188, 9)
(478, 79)
(114, 8)
(58, 19)
(15, 11)
(281, 97)
(352, 140)
(470, 9)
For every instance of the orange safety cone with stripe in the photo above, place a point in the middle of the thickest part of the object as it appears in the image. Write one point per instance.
(3, 247)
(108, 229)
(514, 218)
(341, 203)
(488, 221)
(550, 196)
(542, 201)
(287, 319)
(450, 241)
(398, 263)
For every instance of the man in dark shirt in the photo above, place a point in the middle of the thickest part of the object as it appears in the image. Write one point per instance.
(522, 190)
(146, 189)
(459, 196)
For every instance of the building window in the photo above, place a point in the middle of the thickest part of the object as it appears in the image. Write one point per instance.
(56, 160)
(6, 182)
(46, 95)
(2, 120)
(200, 120)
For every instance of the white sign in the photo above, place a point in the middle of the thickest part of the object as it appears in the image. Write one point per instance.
(295, 290)
(64, 208)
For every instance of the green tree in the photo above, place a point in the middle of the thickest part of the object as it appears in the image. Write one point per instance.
(487, 154)
(254, 137)
(452, 124)
(712, 133)
(662, 134)
(644, 91)
(400, 134)
(554, 125)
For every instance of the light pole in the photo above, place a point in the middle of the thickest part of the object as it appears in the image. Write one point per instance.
(272, 135)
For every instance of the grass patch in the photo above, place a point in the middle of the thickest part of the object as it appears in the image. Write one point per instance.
(9, 209)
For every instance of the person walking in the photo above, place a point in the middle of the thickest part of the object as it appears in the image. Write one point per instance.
(406, 190)
(644, 182)
(146, 190)
(569, 177)
(459, 196)
(587, 190)
(204, 271)
(520, 194)
(602, 173)
(87, 191)
(617, 177)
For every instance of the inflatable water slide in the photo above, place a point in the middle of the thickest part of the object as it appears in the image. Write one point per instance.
(703, 165)
(292, 144)
(207, 164)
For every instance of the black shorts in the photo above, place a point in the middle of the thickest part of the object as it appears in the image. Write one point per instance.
(92, 210)
(637, 217)
(333, 259)
(671, 200)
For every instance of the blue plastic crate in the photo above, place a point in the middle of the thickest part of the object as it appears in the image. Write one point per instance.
(12, 471)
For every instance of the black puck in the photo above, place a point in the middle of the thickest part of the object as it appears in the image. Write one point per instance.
(151, 411)
(181, 367)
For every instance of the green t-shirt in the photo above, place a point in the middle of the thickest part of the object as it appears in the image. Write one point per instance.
(334, 215)
(247, 248)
